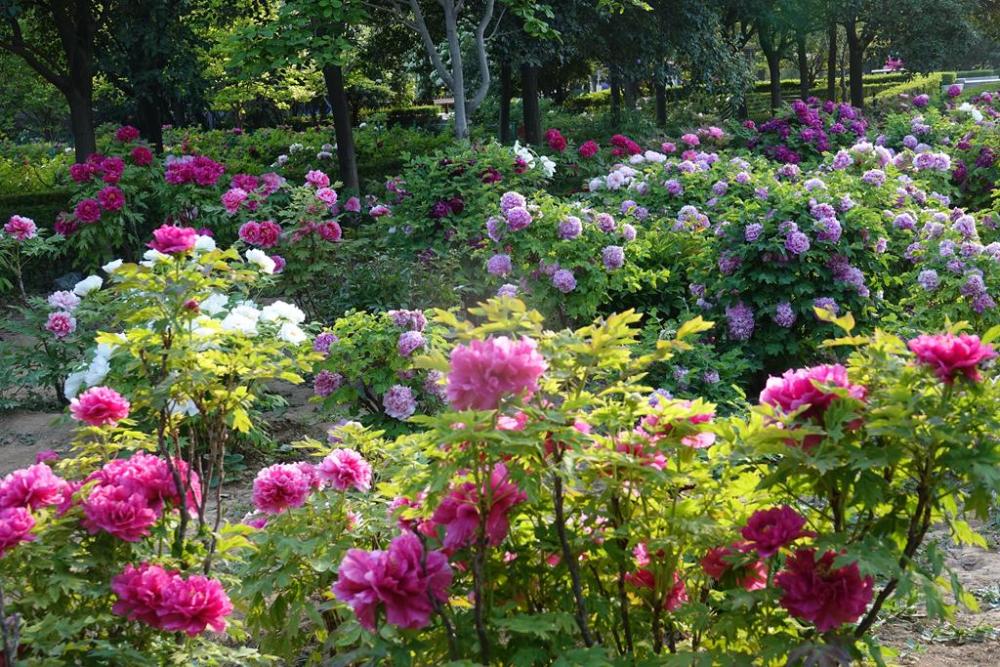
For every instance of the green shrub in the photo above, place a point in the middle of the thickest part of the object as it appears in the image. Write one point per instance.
(947, 78)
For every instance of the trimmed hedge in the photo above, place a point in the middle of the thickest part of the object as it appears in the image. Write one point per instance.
(929, 83)
(42, 207)
(423, 116)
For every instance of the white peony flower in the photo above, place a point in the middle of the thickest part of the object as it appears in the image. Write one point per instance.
(187, 408)
(204, 243)
(242, 318)
(653, 156)
(97, 371)
(214, 303)
(260, 258)
(282, 311)
(73, 384)
(152, 257)
(595, 184)
(548, 166)
(291, 333)
(88, 285)
(112, 266)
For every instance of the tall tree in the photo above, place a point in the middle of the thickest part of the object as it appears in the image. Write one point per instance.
(317, 33)
(56, 38)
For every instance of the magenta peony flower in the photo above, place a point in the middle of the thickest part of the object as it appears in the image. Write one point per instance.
(60, 324)
(769, 530)
(193, 604)
(87, 211)
(33, 487)
(949, 355)
(817, 592)
(142, 156)
(126, 134)
(81, 173)
(353, 205)
(719, 562)
(803, 387)
(555, 139)
(459, 510)
(15, 527)
(21, 228)
(588, 149)
(280, 487)
(46, 455)
(111, 198)
(327, 195)
(149, 476)
(403, 580)
(483, 371)
(99, 406)
(118, 511)
(139, 591)
(232, 199)
(690, 139)
(345, 468)
(172, 240)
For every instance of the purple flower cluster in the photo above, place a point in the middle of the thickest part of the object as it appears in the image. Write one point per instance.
(740, 320)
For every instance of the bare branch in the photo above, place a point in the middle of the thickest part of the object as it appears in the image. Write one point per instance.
(420, 26)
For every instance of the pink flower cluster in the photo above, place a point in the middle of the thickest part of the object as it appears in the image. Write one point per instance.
(950, 356)
(264, 234)
(403, 580)
(26, 490)
(811, 390)
(99, 406)
(165, 600)
(285, 486)
(196, 169)
(484, 371)
(459, 511)
(131, 494)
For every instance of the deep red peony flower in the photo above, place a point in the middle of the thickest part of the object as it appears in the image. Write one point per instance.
(817, 592)
(769, 530)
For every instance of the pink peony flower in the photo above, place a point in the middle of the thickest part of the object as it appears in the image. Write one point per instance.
(317, 179)
(280, 487)
(646, 578)
(21, 228)
(329, 231)
(139, 591)
(817, 592)
(264, 234)
(142, 156)
(720, 562)
(379, 210)
(353, 205)
(690, 139)
(800, 388)
(46, 455)
(149, 475)
(99, 406)
(15, 527)
(172, 240)
(327, 195)
(403, 580)
(949, 355)
(60, 324)
(111, 198)
(32, 487)
(193, 604)
(345, 468)
(459, 510)
(769, 530)
(483, 371)
(232, 199)
(119, 512)
(87, 211)
(64, 300)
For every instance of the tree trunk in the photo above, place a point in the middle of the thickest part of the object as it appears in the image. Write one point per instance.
(631, 89)
(616, 99)
(457, 75)
(506, 92)
(804, 83)
(857, 60)
(149, 120)
(661, 104)
(831, 63)
(333, 75)
(81, 122)
(774, 72)
(529, 96)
